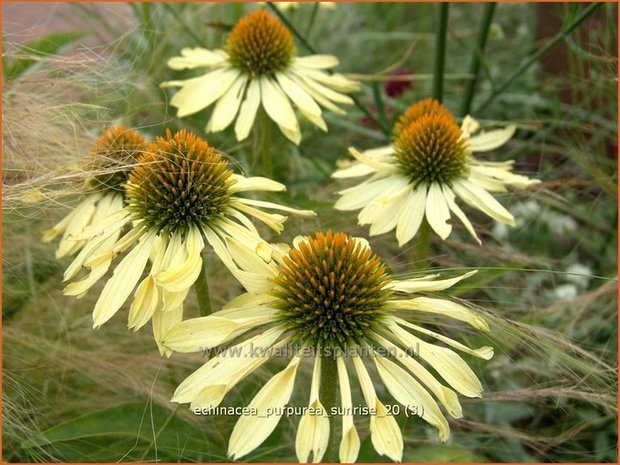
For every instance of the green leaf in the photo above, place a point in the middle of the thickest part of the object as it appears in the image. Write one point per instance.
(123, 421)
(47, 45)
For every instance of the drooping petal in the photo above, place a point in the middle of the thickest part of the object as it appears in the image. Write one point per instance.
(226, 365)
(437, 212)
(326, 92)
(316, 95)
(198, 93)
(251, 430)
(180, 278)
(444, 308)
(247, 113)
(350, 443)
(227, 106)
(446, 362)
(162, 322)
(144, 304)
(485, 352)
(313, 430)
(391, 207)
(298, 95)
(363, 194)
(199, 334)
(277, 105)
(272, 220)
(445, 395)
(79, 288)
(482, 200)
(449, 196)
(333, 81)
(80, 218)
(410, 219)
(409, 393)
(122, 282)
(384, 432)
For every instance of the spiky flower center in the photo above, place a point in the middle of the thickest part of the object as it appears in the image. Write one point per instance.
(112, 156)
(260, 44)
(180, 182)
(331, 291)
(428, 106)
(431, 150)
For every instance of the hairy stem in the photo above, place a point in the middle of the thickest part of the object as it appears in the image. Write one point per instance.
(329, 385)
(202, 291)
(422, 248)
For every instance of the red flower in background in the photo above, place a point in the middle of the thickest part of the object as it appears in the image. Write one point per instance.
(395, 87)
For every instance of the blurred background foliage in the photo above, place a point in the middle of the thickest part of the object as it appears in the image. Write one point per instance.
(549, 285)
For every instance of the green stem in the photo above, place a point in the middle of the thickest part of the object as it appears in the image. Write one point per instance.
(163, 427)
(315, 9)
(423, 246)
(477, 55)
(202, 290)
(440, 52)
(266, 145)
(384, 129)
(378, 98)
(329, 385)
(540, 53)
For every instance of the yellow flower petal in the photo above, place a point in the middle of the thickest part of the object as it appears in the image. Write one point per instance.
(444, 308)
(162, 322)
(437, 211)
(247, 113)
(409, 393)
(124, 279)
(199, 334)
(421, 285)
(385, 433)
(255, 183)
(251, 430)
(490, 140)
(180, 278)
(196, 57)
(350, 443)
(144, 304)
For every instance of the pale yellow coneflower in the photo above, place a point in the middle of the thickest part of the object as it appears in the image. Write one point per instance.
(110, 160)
(259, 66)
(181, 193)
(429, 164)
(331, 295)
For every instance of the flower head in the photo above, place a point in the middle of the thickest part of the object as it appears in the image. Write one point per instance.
(259, 66)
(181, 194)
(109, 161)
(330, 297)
(428, 165)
